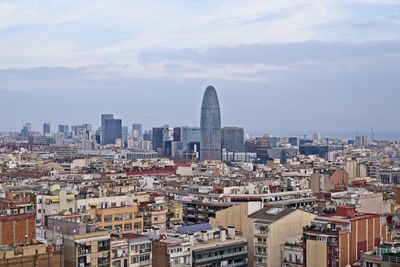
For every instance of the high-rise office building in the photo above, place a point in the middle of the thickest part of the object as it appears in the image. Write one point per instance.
(112, 131)
(137, 131)
(210, 125)
(104, 117)
(28, 126)
(46, 129)
(148, 135)
(177, 134)
(189, 135)
(158, 134)
(81, 132)
(63, 130)
(232, 139)
(26, 129)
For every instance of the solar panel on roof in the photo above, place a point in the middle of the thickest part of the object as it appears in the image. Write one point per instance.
(190, 229)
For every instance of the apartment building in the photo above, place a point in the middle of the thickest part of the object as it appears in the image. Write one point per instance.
(292, 252)
(33, 254)
(268, 229)
(172, 252)
(119, 219)
(17, 226)
(87, 249)
(52, 204)
(119, 252)
(140, 250)
(220, 248)
(340, 239)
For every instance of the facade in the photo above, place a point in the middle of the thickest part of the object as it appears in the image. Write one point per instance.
(137, 130)
(119, 252)
(210, 126)
(269, 229)
(64, 130)
(189, 135)
(112, 131)
(341, 239)
(88, 249)
(17, 227)
(232, 139)
(223, 250)
(119, 219)
(324, 180)
(140, 250)
(104, 117)
(292, 252)
(46, 128)
(47, 205)
(172, 252)
(35, 254)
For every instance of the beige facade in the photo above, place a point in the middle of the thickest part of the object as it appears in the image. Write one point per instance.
(90, 249)
(122, 219)
(47, 205)
(235, 216)
(318, 253)
(266, 236)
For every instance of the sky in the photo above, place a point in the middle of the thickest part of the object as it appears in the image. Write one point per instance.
(281, 67)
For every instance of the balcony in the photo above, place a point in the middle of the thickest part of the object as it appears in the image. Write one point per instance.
(220, 257)
(261, 233)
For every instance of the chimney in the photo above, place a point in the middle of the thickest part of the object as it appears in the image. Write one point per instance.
(231, 232)
(191, 239)
(204, 236)
(348, 211)
(222, 234)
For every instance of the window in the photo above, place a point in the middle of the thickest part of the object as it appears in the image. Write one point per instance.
(118, 217)
(108, 218)
(134, 259)
(145, 257)
(128, 226)
(113, 204)
(128, 216)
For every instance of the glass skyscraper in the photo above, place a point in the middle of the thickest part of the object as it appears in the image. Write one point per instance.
(210, 126)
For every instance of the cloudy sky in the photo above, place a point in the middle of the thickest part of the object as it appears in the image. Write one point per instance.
(280, 67)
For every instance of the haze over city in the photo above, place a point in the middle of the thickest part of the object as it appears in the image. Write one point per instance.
(279, 67)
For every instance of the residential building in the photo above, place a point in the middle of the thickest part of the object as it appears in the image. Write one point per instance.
(292, 252)
(119, 252)
(140, 250)
(119, 219)
(87, 249)
(268, 229)
(17, 226)
(340, 239)
(172, 252)
(34, 254)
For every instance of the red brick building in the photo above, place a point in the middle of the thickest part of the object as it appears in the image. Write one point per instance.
(340, 239)
(17, 227)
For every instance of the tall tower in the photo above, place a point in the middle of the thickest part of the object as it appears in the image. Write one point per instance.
(210, 126)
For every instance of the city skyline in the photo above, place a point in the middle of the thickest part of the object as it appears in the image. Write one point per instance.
(315, 66)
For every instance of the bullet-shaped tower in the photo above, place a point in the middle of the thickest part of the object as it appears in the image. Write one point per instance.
(210, 126)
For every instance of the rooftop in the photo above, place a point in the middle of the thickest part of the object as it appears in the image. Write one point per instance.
(271, 214)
